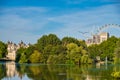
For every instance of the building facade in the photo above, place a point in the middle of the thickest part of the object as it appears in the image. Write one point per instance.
(98, 38)
(12, 48)
(103, 36)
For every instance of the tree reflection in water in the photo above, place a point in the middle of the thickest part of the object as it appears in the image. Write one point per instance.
(13, 71)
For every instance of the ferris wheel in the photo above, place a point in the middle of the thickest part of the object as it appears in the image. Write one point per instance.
(99, 30)
(107, 26)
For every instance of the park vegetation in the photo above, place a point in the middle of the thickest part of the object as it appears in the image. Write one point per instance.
(49, 49)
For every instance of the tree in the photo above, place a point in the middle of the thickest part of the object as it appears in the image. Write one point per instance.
(51, 53)
(117, 53)
(67, 40)
(56, 55)
(29, 51)
(93, 51)
(23, 58)
(3, 49)
(75, 52)
(35, 57)
(53, 40)
(41, 43)
(107, 48)
(20, 52)
(46, 40)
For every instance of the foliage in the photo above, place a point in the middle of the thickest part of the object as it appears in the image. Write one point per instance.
(20, 52)
(46, 40)
(93, 51)
(29, 51)
(35, 57)
(116, 74)
(2, 71)
(53, 54)
(50, 49)
(3, 49)
(117, 53)
(76, 54)
(106, 48)
(23, 58)
(67, 40)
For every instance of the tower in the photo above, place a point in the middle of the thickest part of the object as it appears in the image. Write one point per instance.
(11, 48)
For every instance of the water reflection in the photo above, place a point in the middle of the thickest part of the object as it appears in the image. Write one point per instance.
(10, 69)
(13, 71)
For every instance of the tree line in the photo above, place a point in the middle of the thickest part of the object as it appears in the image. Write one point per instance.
(68, 50)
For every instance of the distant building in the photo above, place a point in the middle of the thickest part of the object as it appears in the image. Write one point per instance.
(12, 48)
(98, 38)
(103, 36)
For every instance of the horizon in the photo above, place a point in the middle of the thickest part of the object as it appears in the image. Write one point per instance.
(58, 37)
(29, 20)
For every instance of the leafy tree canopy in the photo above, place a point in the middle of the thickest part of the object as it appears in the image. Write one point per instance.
(3, 49)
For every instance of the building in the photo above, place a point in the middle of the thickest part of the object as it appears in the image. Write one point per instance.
(12, 48)
(103, 36)
(97, 38)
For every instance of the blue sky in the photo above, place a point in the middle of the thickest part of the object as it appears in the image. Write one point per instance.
(28, 20)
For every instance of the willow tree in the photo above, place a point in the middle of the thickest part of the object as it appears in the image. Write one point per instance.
(76, 54)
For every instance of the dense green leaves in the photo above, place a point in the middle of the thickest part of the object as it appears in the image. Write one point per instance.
(3, 49)
(105, 49)
(20, 52)
(76, 54)
(35, 57)
(67, 40)
(50, 49)
(46, 40)
(117, 53)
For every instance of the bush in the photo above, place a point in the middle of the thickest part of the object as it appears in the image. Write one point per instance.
(116, 74)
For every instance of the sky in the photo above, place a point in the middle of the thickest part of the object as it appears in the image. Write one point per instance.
(28, 20)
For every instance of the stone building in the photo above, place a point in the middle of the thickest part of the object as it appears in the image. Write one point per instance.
(12, 48)
(103, 36)
(97, 38)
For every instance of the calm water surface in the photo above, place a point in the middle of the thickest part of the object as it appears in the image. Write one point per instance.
(14, 71)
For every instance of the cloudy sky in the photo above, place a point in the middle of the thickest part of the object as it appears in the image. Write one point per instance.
(28, 20)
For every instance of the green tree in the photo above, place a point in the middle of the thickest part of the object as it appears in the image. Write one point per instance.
(107, 48)
(46, 40)
(53, 40)
(67, 40)
(57, 54)
(51, 53)
(29, 51)
(3, 49)
(117, 53)
(93, 51)
(20, 52)
(41, 43)
(35, 57)
(23, 58)
(74, 53)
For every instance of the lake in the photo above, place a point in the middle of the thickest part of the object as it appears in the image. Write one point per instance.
(15, 71)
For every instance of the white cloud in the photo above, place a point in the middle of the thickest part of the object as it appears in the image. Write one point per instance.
(17, 36)
(85, 20)
(15, 25)
(28, 24)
